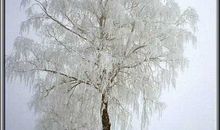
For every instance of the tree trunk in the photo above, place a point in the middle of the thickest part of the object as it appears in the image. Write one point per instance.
(104, 114)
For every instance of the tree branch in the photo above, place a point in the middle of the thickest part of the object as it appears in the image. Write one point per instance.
(60, 23)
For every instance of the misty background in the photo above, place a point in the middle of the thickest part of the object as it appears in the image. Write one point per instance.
(189, 106)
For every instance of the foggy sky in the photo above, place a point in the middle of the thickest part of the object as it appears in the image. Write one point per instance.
(190, 106)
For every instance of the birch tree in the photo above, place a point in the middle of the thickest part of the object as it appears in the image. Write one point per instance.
(93, 60)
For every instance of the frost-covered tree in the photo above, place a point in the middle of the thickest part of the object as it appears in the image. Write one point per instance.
(93, 61)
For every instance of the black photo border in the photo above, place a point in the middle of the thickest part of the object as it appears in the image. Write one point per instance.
(2, 60)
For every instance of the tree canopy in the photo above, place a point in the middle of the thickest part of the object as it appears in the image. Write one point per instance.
(94, 60)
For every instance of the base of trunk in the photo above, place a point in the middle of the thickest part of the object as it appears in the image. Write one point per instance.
(106, 125)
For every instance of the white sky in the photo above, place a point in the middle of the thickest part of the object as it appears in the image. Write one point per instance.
(191, 106)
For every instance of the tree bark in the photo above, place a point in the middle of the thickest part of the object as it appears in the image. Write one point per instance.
(106, 125)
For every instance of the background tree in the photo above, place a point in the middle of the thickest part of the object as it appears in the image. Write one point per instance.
(93, 61)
